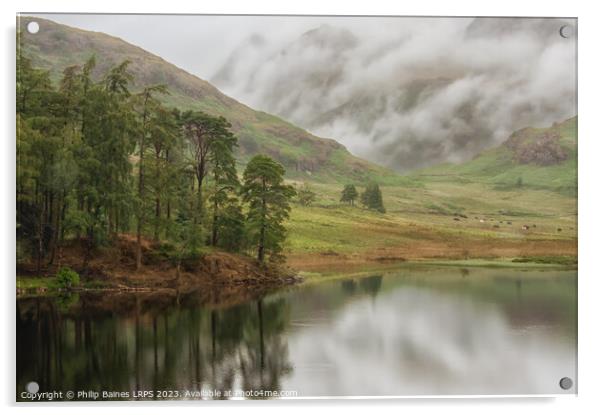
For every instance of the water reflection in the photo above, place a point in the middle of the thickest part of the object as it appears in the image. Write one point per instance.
(444, 332)
(147, 349)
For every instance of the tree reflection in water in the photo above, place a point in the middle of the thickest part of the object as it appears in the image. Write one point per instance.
(142, 344)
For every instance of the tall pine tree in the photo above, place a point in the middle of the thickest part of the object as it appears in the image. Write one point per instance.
(269, 205)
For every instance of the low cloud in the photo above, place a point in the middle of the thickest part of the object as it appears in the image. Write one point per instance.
(409, 92)
(403, 92)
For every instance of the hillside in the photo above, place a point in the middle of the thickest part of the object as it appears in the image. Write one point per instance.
(304, 155)
(531, 158)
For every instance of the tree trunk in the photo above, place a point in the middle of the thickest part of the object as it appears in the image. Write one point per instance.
(214, 225)
(178, 268)
(261, 248)
(141, 189)
(200, 200)
(157, 194)
(157, 217)
(41, 225)
(56, 228)
(139, 245)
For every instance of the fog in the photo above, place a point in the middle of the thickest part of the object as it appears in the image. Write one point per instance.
(403, 92)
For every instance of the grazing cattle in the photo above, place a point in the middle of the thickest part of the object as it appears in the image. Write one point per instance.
(457, 219)
(525, 227)
(482, 220)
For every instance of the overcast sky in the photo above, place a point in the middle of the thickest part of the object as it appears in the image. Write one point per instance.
(404, 92)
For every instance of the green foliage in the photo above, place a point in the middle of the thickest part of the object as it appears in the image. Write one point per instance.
(231, 227)
(226, 212)
(305, 195)
(349, 194)
(67, 278)
(372, 198)
(96, 159)
(66, 300)
(269, 205)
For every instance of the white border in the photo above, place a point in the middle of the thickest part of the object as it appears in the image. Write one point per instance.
(590, 209)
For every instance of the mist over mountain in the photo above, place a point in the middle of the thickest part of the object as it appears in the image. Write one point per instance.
(410, 92)
(305, 156)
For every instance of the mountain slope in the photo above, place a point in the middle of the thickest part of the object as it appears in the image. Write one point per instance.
(541, 158)
(304, 155)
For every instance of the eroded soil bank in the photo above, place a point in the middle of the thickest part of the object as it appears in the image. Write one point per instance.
(114, 268)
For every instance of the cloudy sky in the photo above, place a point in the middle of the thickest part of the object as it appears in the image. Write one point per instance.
(404, 92)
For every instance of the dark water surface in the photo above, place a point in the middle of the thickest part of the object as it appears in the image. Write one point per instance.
(404, 332)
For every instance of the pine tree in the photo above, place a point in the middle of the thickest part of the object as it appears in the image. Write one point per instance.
(198, 128)
(269, 205)
(163, 137)
(148, 106)
(372, 198)
(225, 180)
(349, 194)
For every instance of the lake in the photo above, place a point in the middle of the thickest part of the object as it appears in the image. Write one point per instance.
(407, 331)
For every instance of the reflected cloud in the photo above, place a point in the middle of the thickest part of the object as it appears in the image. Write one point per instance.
(416, 341)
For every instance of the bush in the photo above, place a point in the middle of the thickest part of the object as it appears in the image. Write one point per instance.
(67, 278)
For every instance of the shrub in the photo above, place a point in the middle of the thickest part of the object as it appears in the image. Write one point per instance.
(67, 278)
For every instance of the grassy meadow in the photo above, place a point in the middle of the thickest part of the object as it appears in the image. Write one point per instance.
(436, 217)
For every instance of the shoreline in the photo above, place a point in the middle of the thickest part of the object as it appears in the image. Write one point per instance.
(43, 286)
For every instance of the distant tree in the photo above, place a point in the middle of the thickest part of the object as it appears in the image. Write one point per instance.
(349, 194)
(305, 195)
(372, 198)
(269, 205)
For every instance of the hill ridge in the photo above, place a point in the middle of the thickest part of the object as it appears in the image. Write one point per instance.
(304, 155)
(500, 166)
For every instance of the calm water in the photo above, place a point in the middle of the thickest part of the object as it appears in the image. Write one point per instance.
(435, 331)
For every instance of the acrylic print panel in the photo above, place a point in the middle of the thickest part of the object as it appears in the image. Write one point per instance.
(269, 207)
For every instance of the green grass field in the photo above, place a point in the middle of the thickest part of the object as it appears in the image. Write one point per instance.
(437, 218)
(330, 225)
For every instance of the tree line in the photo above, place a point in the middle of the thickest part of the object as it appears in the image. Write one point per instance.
(371, 197)
(96, 158)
